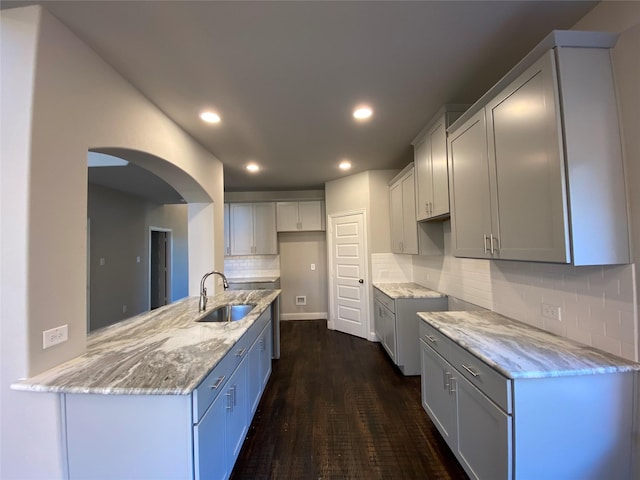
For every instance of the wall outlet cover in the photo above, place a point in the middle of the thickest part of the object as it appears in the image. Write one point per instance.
(55, 336)
(301, 299)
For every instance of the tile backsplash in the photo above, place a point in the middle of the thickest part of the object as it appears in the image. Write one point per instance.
(252, 266)
(598, 304)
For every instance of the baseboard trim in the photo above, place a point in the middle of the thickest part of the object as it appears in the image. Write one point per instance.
(304, 316)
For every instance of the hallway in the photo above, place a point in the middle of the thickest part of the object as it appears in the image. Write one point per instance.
(337, 408)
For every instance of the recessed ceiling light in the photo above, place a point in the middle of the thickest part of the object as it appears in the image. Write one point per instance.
(253, 167)
(362, 113)
(344, 165)
(210, 117)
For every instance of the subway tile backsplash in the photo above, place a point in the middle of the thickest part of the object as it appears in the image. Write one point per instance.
(252, 266)
(598, 304)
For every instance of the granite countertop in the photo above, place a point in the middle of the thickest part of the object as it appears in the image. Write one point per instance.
(518, 350)
(407, 290)
(255, 279)
(162, 352)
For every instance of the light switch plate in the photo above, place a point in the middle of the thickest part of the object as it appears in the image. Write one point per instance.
(551, 311)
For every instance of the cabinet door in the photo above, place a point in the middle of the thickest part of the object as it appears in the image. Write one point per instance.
(437, 399)
(424, 193)
(238, 414)
(389, 332)
(241, 220)
(439, 170)
(287, 216)
(409, 222)
(397, 227)
(526, 147)
(266, 354)
(471, 214)
(311, 215)
(210, 457)
(227, 233)
(254, 374)
(264, 229)
(378, 321)
(484, 434)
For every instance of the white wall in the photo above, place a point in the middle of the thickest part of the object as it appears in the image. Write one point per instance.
(59, 99)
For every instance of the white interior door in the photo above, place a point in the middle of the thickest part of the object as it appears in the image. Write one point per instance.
(349, 299)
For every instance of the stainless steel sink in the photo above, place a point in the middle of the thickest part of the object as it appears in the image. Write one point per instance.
(228, 313)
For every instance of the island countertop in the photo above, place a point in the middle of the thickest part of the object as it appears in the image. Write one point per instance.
(518, 350)
(161, 352)
(406, 290)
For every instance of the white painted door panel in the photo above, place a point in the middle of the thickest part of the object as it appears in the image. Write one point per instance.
(348, 275)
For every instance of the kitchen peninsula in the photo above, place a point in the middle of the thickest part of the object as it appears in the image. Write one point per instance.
(162, 395)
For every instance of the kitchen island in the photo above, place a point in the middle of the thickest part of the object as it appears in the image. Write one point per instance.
(513, 401)
(162, 395)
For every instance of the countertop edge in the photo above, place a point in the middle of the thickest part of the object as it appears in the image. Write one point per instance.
(624, 365)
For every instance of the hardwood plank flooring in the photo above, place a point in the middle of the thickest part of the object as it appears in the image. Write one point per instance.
(337, 408)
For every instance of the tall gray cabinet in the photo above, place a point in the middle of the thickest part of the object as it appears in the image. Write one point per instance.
(536, 166)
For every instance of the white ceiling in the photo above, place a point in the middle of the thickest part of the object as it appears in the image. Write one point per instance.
(285, 76)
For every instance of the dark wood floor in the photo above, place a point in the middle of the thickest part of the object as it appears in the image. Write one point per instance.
(337, 408)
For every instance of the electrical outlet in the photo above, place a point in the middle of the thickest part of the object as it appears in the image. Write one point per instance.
(551, 311)
(55, 336)
(124, 309)
(301, 299)
(102, 262)
(313, 266)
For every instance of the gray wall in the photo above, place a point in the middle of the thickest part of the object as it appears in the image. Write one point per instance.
(298, 251)
(119, 225)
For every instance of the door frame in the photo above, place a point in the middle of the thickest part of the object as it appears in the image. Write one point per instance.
(371, 336)
(169, 233)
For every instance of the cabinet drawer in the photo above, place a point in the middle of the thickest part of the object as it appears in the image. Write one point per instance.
(486, 379)
(436, 340)
(388, 302)
(214, 382)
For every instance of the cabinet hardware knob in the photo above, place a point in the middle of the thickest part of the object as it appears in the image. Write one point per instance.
(216, 385)
(475, 374)
(361, 280)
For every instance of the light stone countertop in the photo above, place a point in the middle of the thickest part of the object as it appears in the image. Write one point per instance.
(518, 350)
(406, 290)
(162, 352)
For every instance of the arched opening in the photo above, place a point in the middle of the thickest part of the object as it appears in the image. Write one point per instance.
(137, 233)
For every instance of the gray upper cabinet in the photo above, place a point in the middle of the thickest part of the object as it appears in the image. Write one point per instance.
(404, 228)
(253, 228)
(431, 171)
(303, 216)
(227, 233)
(470, 189)
(536, 170)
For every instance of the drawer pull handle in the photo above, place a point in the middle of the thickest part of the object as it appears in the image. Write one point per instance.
(241, 352)
(431, 339)
(216, 385)
(229, 395)
(446, 377)
(475, 374)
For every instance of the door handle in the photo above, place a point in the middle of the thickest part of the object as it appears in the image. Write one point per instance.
(361, 280)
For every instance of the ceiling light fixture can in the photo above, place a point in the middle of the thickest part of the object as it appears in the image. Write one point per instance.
(210, 117)
(252, 167)
(344, 165)
(362, 113)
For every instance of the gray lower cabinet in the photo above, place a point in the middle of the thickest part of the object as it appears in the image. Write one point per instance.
(578, 426)
(396, 326)
(194, 436)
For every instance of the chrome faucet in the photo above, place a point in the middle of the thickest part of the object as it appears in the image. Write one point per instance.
(202, 305)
